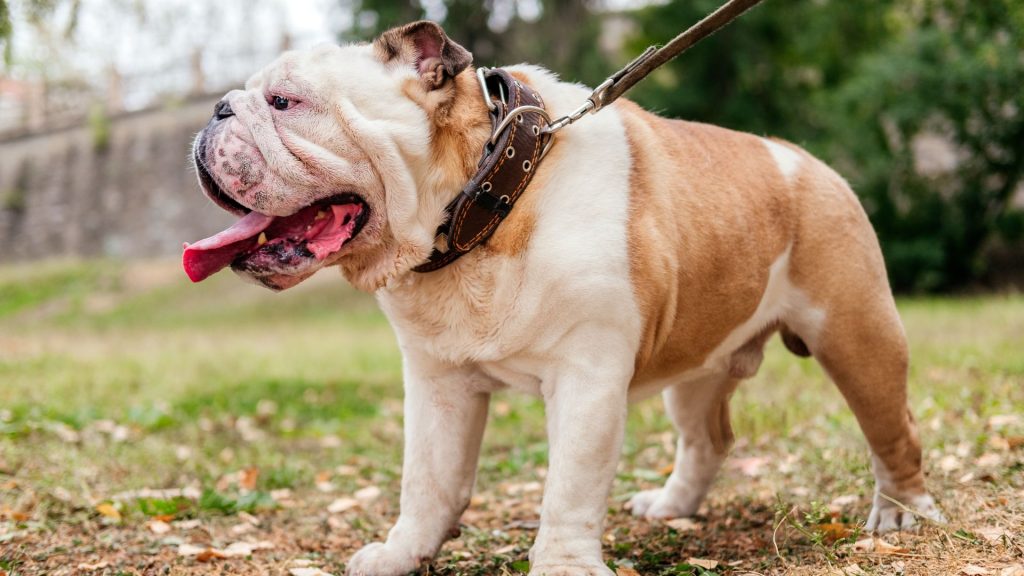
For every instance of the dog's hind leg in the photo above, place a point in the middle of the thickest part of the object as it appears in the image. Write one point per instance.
(863, 348)
(700, 412)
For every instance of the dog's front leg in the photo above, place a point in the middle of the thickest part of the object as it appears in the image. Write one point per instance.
(586, 413)
(444, 423)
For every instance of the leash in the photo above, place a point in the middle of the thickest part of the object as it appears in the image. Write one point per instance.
(523, 133)
(651, 58)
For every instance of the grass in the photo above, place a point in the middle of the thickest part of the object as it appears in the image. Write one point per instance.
(262, 409)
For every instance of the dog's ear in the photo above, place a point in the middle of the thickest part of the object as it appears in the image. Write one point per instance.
(424, 46)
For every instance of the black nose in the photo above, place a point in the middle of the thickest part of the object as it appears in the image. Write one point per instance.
(222, 110)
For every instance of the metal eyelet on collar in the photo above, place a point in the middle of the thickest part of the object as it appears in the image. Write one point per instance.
(510, 152)
(527, 165)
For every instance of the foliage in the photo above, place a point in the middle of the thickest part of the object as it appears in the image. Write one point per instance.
(956, 74)
(861, 83)
(6, 31)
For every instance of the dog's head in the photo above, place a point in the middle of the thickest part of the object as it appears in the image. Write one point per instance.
(339, 155)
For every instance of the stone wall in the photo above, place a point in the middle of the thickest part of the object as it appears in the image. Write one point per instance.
(122, 188)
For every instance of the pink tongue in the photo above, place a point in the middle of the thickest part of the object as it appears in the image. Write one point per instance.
(336, 232)
(210, 255)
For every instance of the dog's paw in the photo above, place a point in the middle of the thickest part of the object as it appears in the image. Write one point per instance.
(379, 559)
(887, 516)
(595, 569)
(661, 504)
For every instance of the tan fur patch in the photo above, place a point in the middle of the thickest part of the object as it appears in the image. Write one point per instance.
(709, 215)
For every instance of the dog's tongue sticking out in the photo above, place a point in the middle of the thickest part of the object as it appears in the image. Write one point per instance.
(315, 232)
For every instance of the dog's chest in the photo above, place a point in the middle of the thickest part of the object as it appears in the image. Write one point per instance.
(476, 315)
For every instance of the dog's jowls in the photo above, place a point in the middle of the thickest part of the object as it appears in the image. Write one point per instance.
(648, 255)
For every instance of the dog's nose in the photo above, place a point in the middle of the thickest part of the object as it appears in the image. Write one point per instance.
(222, 110)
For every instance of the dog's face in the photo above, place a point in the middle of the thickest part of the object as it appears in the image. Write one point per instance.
(322, 155)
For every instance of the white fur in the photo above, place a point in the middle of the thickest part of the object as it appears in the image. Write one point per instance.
(786, 159)
(567, 329)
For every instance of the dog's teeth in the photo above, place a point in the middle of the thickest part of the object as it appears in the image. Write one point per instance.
(320, 215)
(262, 239)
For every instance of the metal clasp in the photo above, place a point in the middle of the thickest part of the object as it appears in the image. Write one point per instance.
(481, 76)
(593, 103)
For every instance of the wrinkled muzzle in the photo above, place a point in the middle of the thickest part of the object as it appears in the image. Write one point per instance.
(285, 232)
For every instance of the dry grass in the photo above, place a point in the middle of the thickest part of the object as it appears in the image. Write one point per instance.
(268, 408)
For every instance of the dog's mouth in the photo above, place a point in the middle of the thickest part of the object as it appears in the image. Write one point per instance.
(278, 251)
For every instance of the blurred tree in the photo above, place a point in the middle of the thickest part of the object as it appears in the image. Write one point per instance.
(765, 72)
(6, 31)
(954, 76)
(864, 83)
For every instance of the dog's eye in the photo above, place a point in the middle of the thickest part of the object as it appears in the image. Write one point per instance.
(280, 103)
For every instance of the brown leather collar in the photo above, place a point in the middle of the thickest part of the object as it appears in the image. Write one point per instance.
(508, 164)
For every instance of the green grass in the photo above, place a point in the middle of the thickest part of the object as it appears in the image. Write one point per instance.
(116, 377)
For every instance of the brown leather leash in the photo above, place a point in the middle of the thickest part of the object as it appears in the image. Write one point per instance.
(523, 133)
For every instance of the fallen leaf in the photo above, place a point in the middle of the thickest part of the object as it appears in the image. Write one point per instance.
(248, 478)
(323, 481)
(864, 545)
(874, 545)
(626, 571)
(108, 510)
(90, 567)
(989, 459)
(158, 526)
(993, 534)
(854, 570)
(346, 470)
(14, 515)
(973, 570)
(834, 531)
(186, 549)
(883, 547)
(1014, 442)
(1002, 420)
(281, 494)
(330, 442)
(667, 469)
(367, 495)
(703, 563)
(205, 553)
(303, 571)
(190, 492)
(210, 554)
(246, 548)
(949, 463)
(505, 549)
(751, 466)
(683, 525)
(341, 505)
(841, 502)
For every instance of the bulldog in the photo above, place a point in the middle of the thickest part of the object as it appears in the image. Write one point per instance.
(646, 255)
